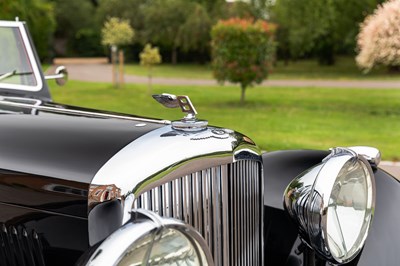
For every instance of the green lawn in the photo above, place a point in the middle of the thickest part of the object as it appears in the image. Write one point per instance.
(189, 71)
(345, 68)
(276, 118)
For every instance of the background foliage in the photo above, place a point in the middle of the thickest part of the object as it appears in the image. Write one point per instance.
(117, 32)
(241, 51)
(149, 57)
(379, 39)
(320, 29)
(39, 15)
(77, 32)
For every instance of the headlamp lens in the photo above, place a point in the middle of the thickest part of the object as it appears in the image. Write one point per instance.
(166, 247)
(349, 211)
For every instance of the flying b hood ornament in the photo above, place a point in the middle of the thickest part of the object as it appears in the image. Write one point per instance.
(189, 122)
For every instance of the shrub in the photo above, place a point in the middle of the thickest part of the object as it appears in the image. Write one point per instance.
(117, 32)
(241, 51)
(149, 57)
(379, 38)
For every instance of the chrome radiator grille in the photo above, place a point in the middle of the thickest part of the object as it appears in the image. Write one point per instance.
(223, 203)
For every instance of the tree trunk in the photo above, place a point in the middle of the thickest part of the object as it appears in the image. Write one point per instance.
(326, 51)
(394, 70)
(121, 67)
(174, 56)
(242, 97)
(114, 63)
(149, 89)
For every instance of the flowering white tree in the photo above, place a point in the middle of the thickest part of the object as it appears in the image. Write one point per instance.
(379, 38)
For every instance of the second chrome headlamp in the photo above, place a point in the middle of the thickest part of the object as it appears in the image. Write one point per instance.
(333, 204)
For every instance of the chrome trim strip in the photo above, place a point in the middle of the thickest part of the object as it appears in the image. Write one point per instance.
(371, 154)
(7, 101)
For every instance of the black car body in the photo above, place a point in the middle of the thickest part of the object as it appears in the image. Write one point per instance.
(86, 187)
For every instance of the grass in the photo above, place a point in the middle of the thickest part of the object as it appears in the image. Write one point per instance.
(345, 68)
(189, 71)
(275, 118)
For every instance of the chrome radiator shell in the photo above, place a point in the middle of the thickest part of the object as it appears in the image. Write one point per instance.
(218, 169)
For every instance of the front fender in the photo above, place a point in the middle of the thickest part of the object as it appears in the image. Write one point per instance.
(280, 237)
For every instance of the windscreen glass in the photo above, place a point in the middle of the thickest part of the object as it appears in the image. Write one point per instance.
(15, 66)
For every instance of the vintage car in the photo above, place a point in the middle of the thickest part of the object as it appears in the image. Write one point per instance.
(88, 187)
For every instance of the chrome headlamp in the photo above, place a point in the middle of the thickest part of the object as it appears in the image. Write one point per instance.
(333, 203)
(152, 240)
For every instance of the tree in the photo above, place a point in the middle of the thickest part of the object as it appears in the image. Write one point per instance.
(241, 50)
(256, 9)
(379, 38)
(39, 15)
(117, 32)
(127, 9)
(163, 23)
(216, 9)
(308, 24)
(77, 34)
(321, 28)
(148, 58)
(176, 24)
(195, 32)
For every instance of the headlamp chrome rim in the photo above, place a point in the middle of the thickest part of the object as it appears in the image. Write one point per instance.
(308, 197)
(330, 171)
(145, 223)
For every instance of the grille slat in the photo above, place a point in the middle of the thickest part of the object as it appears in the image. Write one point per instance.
(20, 247)
(259, 199)
(225, 214)
(223, 203)
(215, 216)
(232, 216)
(195, 201)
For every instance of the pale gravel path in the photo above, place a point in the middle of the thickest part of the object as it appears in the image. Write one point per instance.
(392, 168)
(102, 73)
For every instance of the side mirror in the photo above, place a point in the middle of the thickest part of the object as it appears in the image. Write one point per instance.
(61, 76)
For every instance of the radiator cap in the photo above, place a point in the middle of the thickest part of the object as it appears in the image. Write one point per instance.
(187, 123)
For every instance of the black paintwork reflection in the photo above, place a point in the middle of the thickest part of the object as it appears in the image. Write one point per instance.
(63, 146)
(281, 167)
(44, 193)
(279, 170)
(383, 244)
(61, 239)
(104, 219)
